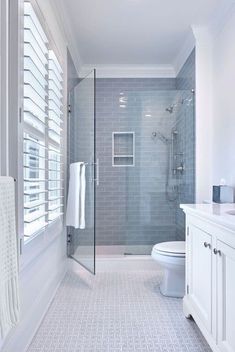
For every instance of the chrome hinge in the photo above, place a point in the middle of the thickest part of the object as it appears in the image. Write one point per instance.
(21, 246)
(69, 109)
(68, 239)
(187, 230)
(187, 289)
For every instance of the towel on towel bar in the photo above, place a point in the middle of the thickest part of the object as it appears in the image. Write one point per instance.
(75, 215)
(9, 274)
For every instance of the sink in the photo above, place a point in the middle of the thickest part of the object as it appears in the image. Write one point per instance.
(231, 212)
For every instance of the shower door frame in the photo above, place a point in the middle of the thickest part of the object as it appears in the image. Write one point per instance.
(95, 164)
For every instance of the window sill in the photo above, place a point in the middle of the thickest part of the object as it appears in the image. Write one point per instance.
(38, 244)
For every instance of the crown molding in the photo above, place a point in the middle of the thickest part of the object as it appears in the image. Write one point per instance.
(184, 52)
(60, 13)
(202, 33)
(129, 71)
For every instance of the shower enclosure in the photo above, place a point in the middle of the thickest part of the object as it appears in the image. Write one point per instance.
(140, 192)
(144, 140)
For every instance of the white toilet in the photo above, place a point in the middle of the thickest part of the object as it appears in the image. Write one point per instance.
(171, 256)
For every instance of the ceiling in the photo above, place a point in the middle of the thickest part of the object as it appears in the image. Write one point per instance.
(136, 32)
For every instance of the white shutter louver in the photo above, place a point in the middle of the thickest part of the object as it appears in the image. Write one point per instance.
(43, 93)
(55, 189)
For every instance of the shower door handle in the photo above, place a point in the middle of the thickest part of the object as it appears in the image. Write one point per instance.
(97, 172)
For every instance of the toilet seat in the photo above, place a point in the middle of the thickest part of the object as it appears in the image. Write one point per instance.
(171, 249)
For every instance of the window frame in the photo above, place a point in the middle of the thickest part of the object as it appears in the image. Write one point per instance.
(42, 238)
(4, 57)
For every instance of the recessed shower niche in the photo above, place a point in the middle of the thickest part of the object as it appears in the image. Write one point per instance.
(123, 149)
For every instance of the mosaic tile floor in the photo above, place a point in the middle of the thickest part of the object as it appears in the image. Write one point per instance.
(116, 311)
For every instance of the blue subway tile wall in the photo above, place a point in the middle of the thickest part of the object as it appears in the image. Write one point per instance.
(186, 128)
(131, 205)
(186, 77)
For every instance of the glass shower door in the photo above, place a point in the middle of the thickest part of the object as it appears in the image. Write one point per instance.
(82, 150)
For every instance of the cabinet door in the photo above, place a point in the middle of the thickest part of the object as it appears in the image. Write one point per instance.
(226, 297)
(200, 274)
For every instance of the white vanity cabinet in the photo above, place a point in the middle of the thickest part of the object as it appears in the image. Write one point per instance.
(210, 273)
(199, 284)
(226, 297)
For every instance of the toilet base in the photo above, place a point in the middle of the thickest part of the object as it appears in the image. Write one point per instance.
(173, 283)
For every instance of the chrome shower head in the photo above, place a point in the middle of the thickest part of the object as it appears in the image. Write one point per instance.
(170, 109)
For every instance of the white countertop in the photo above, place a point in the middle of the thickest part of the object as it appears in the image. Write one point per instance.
(214, 212)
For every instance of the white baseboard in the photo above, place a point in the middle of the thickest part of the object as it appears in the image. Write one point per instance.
(20, 338)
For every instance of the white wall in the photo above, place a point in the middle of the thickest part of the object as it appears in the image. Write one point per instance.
(215, 103)
(223, 139)
(203, 111)
(44, 260)
(3, 84)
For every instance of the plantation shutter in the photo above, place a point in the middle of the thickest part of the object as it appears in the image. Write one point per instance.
(43, 93)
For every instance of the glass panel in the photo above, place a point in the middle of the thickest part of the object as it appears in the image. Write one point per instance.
(82, 149)
(163, 175)
(139, 199)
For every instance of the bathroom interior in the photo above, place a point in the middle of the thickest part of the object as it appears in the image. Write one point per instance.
(117, 208)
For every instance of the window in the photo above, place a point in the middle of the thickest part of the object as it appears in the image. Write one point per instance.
(43, 121)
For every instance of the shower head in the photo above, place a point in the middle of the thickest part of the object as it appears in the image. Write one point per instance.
(187, 100)
(170, 109)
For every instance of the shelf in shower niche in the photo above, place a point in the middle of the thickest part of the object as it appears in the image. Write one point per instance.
(123, 156)
(122, 161)
(123, 149)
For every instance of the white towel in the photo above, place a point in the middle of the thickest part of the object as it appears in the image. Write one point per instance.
(9, 275)
(75, 215)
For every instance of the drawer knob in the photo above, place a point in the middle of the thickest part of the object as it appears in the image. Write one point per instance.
(217, 251)
(207, 245)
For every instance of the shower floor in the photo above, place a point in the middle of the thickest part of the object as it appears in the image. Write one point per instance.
(116, 310)
(118, 250)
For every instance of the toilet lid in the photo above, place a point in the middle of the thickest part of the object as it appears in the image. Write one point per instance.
(172, 248)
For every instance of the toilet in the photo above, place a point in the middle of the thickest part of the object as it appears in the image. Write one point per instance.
(171, 257)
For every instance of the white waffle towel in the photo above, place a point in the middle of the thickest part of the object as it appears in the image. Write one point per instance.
(75, 215)
(9, 274)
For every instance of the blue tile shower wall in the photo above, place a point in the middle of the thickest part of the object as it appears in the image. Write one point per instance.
(186, 128)
(131, 204)
(186, 77)
(132, 208)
